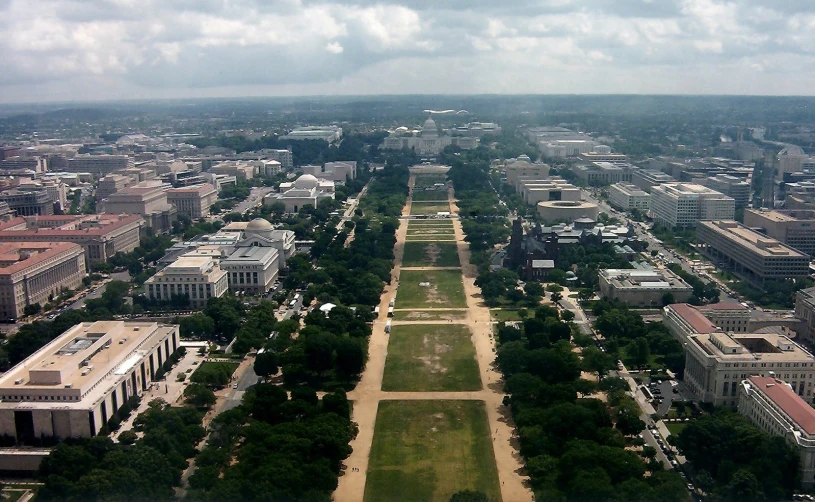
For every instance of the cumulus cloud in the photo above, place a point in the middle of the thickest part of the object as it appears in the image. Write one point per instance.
(108, 49)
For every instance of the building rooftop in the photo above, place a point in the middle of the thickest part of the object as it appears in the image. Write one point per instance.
(17, 256)
(637, 278)
(787, 400)
(250, 254)
(750, 347)
(67, 225)
(196, 189)
(784, 216)
(698, 322)
(689, 189)
(81, 358)
(750, 239)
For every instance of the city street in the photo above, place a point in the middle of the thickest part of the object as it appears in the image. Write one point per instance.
(255, 199)
(116, 276)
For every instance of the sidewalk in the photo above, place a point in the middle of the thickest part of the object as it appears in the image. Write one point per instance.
(169, 390)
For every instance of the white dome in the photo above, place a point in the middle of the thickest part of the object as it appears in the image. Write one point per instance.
(259, 224)
(429, 128)
(306, 182)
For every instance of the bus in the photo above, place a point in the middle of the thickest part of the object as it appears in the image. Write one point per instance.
(376, 310)
(390, 311)
(388, 327)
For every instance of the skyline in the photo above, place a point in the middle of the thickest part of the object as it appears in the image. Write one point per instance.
(108, 50)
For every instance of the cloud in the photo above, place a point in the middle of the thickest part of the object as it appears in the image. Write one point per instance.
(110, 49)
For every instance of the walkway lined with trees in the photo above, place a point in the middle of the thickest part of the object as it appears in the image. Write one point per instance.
(368, 393)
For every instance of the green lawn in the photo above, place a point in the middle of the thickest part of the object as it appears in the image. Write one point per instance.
(429, 315)
(429, 450)
(444, 291)
(419, 208)
(430, 254)
(426, 180)
(507, 314)
(426, 223)
(430, 358)
(424, 195)
(676, 427)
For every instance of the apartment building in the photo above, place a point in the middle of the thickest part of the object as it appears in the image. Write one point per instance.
(716, 364)
(36, 272)
(642, 288)
(193, 201)
(646, 179)
(73, 385)
(750, 254)
(603, 173)
(100, 235)
(795, 228)
(627, 196)
(772, 406)
(683, 205)
(731, 186)
(198, 278)
(98, 165)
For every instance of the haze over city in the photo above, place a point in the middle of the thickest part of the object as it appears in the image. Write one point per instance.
(128, 49)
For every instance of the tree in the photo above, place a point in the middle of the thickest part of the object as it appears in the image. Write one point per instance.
(32, 309)
(127, 437)
(556, 297)
(595, 359)
(266, 364)
(567, 315)
(668, 299)
(585, 387)
(638, 351)
(199, 396)
(197, 326)
(654, 253)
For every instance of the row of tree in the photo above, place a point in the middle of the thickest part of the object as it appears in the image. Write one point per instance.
(633, 340)
(148, 468)
(575, 447)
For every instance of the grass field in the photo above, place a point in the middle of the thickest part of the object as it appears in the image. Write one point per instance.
(429, 450)
(418, 208)
(429, 315)
(500, 315)
(430, 223)
(430, 254)
(430, 358)
(447, 232)
(422, 195)
(426, 180)
(676, 427)
(445, 289)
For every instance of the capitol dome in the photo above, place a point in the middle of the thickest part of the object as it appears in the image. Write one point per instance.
(429, 127)
(306, 182)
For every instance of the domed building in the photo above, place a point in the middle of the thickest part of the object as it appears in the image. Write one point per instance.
(428, 141)
(307, 189)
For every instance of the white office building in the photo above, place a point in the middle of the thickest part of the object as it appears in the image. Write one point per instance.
(683, 205)
(627, 196)
(73, 385)
(198, 278)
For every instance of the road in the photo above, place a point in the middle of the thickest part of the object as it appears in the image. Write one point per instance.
(255, 199)
(235, 395)
(116, 276)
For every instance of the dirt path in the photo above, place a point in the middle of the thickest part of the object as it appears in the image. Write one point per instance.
(368, 392)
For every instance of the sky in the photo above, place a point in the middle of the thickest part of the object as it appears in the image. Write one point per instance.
(84, 50)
